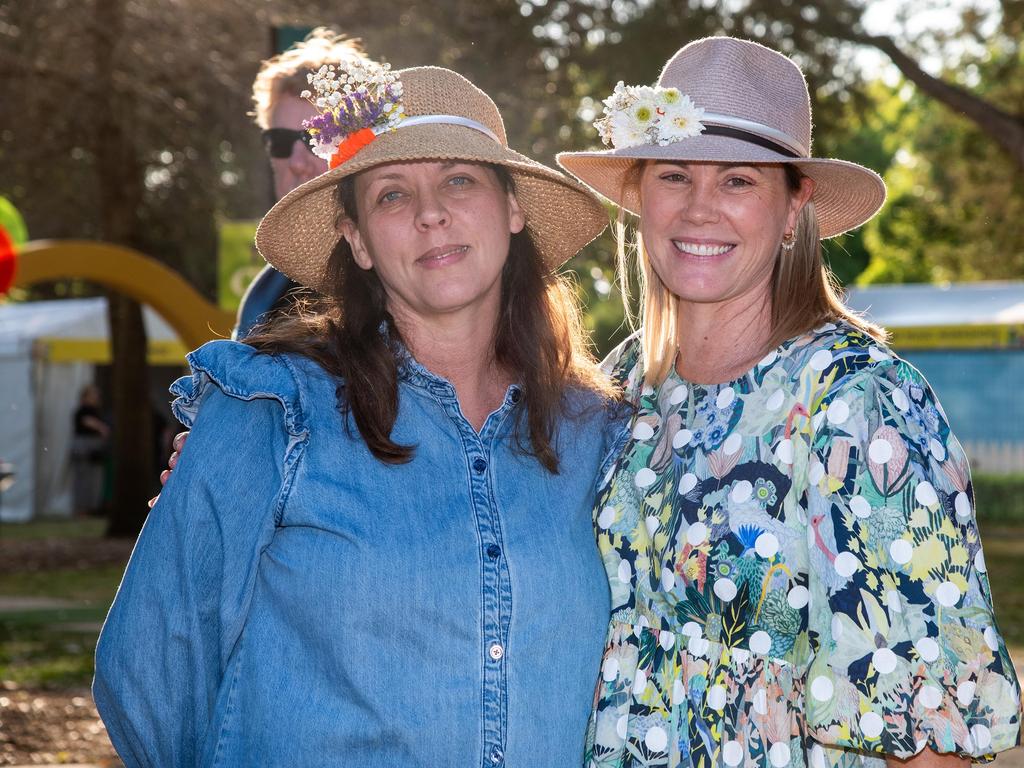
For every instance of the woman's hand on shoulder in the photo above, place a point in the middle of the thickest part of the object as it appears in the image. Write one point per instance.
(176, 446)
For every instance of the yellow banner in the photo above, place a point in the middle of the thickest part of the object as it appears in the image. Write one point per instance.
(958, 337)
(97, 351)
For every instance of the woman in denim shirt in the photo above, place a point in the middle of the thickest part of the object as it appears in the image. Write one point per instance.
(376, 549)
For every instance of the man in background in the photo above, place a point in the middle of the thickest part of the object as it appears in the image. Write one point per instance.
(279, 111)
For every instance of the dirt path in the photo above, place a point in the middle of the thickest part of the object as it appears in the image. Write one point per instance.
(56, 728)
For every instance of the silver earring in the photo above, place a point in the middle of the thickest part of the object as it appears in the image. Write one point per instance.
(788, 242)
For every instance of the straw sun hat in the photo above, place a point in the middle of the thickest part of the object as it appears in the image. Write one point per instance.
(733, 101)
(441, 116)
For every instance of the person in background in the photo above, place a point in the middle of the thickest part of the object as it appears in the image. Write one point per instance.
(788, 531)
(279, 111)
(88, 450)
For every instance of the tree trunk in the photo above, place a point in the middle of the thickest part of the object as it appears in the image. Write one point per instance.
(132, 439)
(119, 175)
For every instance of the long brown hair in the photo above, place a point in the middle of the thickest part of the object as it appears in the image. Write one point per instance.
(539, 336)
(804, 291)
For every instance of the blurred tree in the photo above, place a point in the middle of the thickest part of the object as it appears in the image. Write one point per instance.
(821, 34)
(813, 24)
(954, 202)
(127, 122)
(116, 121)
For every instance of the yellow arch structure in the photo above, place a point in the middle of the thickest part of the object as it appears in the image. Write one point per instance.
(134, 274)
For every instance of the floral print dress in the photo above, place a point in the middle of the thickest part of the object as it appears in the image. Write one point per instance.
(795, 571)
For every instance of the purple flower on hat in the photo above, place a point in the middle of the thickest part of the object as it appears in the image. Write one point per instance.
(365, 95)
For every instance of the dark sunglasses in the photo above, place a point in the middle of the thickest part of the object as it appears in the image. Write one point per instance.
(279, 141)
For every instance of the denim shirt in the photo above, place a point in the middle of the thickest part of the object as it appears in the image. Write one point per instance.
(293, 601)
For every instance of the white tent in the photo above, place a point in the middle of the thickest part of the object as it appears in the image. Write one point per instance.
(48, 351)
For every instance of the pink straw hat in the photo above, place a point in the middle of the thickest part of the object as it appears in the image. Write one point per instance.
(734, 101)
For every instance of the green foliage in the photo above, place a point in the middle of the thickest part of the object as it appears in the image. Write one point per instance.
(861, 132)
(594, 274)
(999, 498)
(12, 222)
(955, 198)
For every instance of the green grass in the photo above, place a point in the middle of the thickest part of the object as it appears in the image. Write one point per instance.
(45, 648)
(85, 528)
(38, 655)
(54, 648)
(1004, 557)
(90, 585)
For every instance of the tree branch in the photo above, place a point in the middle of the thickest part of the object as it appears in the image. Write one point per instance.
(1004, 127)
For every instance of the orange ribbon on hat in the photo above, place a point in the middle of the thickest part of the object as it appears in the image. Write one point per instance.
(348, 148)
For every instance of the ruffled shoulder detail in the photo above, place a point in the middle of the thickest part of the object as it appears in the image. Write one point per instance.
(242, 372)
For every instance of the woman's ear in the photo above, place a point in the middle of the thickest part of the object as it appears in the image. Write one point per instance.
(350, 232)
(516, 217)
(798, 199)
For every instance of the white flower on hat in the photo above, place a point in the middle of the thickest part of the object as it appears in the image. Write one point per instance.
(636, 115)
(624, 130)
(682, 119)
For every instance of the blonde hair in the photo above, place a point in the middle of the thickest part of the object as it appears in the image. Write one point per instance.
(804, 291)
(285, 74)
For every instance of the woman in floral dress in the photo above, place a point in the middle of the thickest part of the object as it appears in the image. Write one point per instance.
(789, 528)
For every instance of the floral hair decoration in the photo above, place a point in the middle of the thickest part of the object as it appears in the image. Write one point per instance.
(640, 114)
(356, 104)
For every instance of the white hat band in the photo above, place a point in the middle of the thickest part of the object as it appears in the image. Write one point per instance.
(759, 129)
(441, 120)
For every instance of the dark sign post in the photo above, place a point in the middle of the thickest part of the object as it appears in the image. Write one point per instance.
(283, 38)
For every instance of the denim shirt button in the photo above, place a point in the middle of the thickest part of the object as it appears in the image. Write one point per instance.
(496, 756)
(493, 551)
(515, 395)
(479, 465)
(496, 652)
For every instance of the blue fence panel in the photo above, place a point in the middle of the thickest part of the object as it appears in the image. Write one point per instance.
(982, 391)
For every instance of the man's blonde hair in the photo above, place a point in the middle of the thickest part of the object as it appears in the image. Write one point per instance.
(285, 74)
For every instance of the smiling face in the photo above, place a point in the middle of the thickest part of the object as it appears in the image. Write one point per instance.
(712, 232)
(436, 233)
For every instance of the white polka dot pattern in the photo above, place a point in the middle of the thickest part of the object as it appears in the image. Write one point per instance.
(813, 503)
